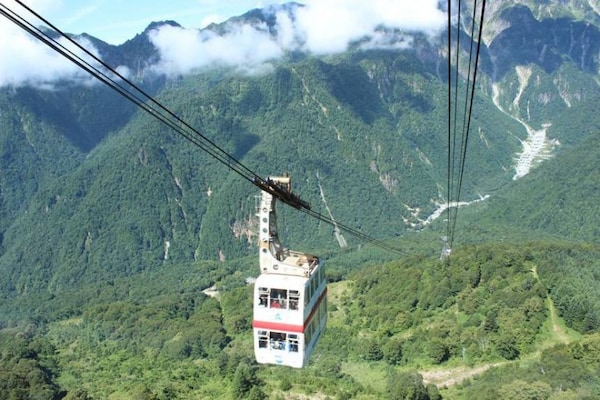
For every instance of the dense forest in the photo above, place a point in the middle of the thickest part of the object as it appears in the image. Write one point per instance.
(509, 307)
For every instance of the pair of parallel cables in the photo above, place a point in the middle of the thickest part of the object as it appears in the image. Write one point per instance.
(456, 172)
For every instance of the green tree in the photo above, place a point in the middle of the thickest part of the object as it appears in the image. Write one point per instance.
(506, 346)
(142, 392)
(244, 381)
(405, 386)
(372, 350)
(392, 351)
(438, 351)
(433, 392)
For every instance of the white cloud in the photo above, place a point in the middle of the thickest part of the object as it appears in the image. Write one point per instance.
(184, 50)
(321, 27)
(329, 26)
(27, 61)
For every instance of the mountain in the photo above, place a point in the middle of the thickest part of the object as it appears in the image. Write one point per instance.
(364, 129)
(108, 217)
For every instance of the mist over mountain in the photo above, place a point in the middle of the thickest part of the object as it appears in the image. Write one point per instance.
(97, 195)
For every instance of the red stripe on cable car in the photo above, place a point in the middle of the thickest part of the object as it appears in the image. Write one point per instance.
(316, 307)
(278, 326)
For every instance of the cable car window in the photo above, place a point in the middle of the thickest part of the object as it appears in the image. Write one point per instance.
(312, 326)
(306, 294)
(294, 299)
(277, 340)
(294, 343)
(263, 339)
(263, 295)
(278, 298)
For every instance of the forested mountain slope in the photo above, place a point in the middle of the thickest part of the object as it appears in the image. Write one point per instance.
(366, 128)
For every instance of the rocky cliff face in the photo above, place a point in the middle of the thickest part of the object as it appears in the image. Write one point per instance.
(586, 11)
(548, 43)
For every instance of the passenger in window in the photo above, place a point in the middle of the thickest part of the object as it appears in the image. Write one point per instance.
(262, 301)
(277, 341)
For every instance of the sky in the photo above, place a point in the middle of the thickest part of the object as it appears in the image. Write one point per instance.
(321, 27)
(115, 21)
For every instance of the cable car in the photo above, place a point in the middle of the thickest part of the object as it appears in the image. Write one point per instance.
(290, 295)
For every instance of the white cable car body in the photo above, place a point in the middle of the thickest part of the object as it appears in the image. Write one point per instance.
(290, 295)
